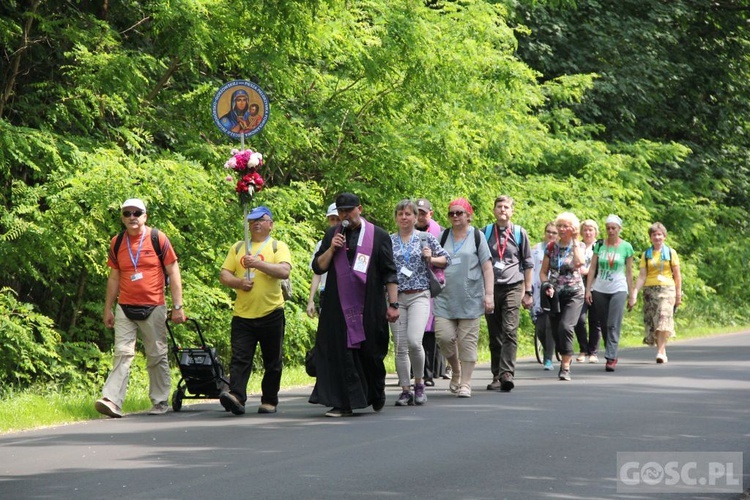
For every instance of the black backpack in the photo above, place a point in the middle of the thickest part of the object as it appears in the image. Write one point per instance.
(444, 237)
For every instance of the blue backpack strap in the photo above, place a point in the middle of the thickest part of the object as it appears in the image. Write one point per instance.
(488, 232)
(516, 233)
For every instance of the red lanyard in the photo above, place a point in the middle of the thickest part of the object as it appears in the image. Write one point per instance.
(501, 251)
(611, 255)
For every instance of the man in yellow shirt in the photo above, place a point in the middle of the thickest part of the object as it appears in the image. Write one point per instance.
(256, 273)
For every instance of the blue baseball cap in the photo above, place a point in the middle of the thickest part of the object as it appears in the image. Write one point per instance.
(259, 212)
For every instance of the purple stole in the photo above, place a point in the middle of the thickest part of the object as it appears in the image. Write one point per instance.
(351, 284)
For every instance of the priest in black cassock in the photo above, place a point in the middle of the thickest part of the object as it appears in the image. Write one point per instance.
(361, 298)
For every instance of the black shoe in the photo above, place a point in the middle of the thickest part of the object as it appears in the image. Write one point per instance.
(230, 403)
(506, 382)
(339, 412)
(379, 403)
(429, 382)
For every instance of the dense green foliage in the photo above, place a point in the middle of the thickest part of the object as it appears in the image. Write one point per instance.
(101, 101)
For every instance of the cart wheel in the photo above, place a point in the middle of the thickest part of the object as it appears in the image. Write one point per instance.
(177, 400)
(538, 349)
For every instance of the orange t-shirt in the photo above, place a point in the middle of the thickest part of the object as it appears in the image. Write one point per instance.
(148, 290)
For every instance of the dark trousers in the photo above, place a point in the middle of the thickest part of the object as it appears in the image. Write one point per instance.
(543, 331)
(434, 362)
(267, 331)
(564, 323)
(588, 342)
(502, 326)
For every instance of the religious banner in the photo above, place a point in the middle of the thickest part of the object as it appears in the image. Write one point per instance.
(240, 109)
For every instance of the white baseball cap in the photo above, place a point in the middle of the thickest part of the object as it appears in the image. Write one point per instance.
(332, 210)
(134, 202)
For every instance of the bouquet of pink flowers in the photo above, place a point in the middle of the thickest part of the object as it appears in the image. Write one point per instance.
(246, 164)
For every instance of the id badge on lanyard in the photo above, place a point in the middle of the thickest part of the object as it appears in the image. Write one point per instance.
(134, 258)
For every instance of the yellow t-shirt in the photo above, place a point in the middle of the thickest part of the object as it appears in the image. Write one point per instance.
(265, 296)
(656, 268)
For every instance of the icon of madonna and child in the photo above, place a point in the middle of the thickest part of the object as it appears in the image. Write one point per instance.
(243, 116)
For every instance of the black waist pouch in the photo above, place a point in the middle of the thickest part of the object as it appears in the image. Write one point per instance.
(137, 313)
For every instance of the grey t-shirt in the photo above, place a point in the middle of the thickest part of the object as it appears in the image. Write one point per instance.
(463, 296)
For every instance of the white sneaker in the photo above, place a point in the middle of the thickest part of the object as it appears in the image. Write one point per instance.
(159, 408)
(464, 391)
(593, 358)
(661, 358)
(581, 358)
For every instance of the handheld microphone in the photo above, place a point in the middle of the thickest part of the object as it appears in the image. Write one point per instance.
(344, 227)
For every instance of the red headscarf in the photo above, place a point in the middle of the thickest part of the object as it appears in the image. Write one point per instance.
(463, 203)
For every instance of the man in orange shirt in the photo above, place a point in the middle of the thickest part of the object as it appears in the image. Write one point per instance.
(136, 280)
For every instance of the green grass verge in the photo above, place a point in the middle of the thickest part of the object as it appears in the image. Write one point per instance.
(22, 410)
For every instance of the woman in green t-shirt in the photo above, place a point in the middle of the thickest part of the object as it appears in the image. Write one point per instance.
(609, 288)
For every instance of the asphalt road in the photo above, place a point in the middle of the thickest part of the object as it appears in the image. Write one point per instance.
(547, 439)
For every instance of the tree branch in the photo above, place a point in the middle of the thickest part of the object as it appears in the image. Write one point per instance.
(164, 78)
(16, 63)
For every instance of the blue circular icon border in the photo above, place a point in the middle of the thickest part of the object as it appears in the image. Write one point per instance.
(223, 90)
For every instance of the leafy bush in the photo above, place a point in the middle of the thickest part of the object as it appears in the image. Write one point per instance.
(28, 343)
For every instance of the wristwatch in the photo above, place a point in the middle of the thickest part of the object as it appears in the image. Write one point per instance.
(177, 307)
(529, 293)
(393, 305)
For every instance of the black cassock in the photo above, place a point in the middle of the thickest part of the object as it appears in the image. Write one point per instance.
(354, 378)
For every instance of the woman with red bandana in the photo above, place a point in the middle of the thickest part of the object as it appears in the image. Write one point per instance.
(467, 296)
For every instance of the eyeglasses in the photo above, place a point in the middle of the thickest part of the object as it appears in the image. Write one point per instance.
(551, 232)
(134, 213)
(457, 213)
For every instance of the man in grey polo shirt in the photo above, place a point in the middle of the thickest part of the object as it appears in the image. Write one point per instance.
(513, 267)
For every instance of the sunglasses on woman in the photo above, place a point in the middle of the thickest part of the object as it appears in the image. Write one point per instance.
(457, 213)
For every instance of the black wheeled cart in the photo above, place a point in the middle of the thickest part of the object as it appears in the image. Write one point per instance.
(201, 370)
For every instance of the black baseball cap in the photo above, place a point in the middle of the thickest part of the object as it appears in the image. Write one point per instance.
(347, 200)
